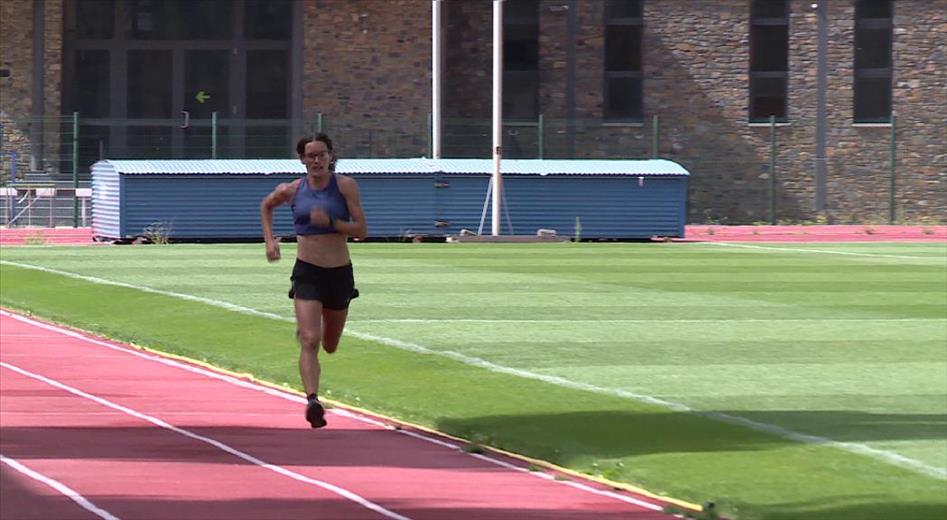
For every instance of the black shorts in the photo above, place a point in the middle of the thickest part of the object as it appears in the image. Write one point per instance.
(333, 286)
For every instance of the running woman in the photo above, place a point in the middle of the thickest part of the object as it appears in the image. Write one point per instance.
(327, 210)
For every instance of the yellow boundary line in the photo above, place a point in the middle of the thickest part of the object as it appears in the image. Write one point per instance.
(400, 423)
(404, 424)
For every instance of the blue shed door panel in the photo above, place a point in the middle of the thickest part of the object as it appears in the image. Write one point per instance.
(397, 206)
(606, 207)
(201, 206)
(460, 202)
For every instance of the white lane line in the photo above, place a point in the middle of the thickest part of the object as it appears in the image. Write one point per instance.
(213, 442)
(818, 251)
(116, 414)
(652, 321)
(299, 399)
(861, 449)
(59, 486)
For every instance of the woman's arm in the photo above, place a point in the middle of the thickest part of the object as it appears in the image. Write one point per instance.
(281, 195)
(355, 227)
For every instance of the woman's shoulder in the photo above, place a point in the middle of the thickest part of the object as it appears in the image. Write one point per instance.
(291, 185)
(344, 181)
(288, 188)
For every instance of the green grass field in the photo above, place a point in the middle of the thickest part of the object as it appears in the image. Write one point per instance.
(784, 381)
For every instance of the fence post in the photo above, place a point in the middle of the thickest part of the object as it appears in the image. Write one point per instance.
(772, 169)
(892, 148)
(75, 169)
(213, 135)
(654, 136)
(539, 134)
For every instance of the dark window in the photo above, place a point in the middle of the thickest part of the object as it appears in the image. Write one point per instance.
(520, 47)
(267, 104)
(176, 59)
(181, 19)
(872, 100)
(521, 12)
(92, 78)
(93, 143)
(769, 95)
(149, 84)
(520, 94)
(623, 93)
(623, 9)
(624, 99)
(873, 61)
(267, 84)
(769, 59)
(95, 19)
(520, 59)
(769, 51)
(619, 41)
(268, 19)
(762, 9)
(873, 49)
(878, 9)
(206, 77)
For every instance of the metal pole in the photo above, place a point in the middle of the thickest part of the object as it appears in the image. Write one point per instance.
(437, 74)
(540, 132)
(822, 36)
(319, 122)
(772, 169)
(571, 32)
(75, 169)
(38, 81)
(430, 136)
(892, 148)
(213, 135)
(497, 113)
(654, 136)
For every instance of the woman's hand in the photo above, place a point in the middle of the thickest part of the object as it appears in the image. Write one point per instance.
(319, 217)
(272, 250)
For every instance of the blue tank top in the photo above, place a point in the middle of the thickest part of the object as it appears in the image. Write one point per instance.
(329, 199)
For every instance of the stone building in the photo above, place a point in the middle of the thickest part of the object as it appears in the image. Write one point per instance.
(694, 81)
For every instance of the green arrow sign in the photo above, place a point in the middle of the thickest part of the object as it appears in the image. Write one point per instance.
(202, 96)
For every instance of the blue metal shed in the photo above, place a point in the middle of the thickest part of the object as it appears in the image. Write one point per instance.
(191, 199)
(220, 198)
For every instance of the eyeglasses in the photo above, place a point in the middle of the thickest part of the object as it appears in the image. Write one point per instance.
(320, 155)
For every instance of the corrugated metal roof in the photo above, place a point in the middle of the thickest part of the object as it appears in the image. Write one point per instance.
(207, 166)
(401, 166)
(352, 166)
(564, 166)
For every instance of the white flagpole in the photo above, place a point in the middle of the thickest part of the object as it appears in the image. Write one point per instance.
(497, 113)
(437, 16)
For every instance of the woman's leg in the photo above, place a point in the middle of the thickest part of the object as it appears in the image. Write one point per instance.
(333, 322)
(309, 334)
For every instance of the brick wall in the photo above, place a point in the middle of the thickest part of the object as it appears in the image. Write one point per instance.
(16, 90)
(696, 62)
(367, 66)
(16, 48)
(920, 104)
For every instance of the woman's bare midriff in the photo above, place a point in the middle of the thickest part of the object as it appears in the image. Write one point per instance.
(329, 250)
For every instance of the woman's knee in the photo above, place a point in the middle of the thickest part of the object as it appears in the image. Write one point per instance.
(308, 339)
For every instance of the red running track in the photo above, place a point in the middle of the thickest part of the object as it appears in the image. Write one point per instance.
(93, 429)
(693, 233)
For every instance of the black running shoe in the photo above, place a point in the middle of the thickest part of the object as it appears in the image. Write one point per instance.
(315, 414)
